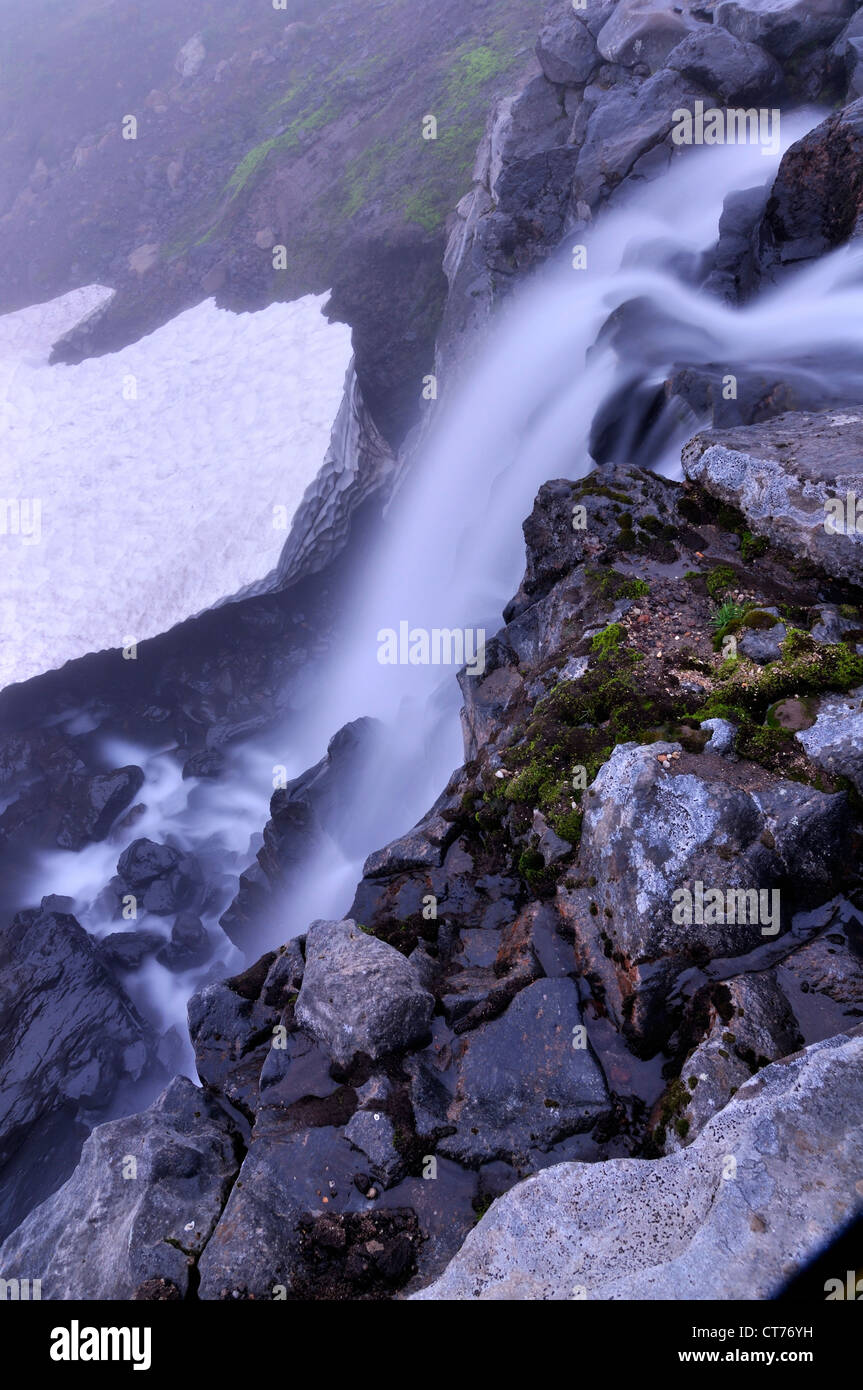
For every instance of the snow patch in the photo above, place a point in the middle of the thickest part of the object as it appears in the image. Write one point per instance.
(141, 487)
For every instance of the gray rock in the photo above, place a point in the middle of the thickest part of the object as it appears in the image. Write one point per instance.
(127, 950)
(422, 848)
(566, 50)
(831, 627)
(763, 644)
(359, 994)
(68, 1032)
(630, 119)
(189, 945)
(783, 27)
(738, 73)
(92, 804)
(141, 1204)
(232, 1031)
(254, 1248)
(722, 736)
(372, 1132)
(835, 740)
(694, 1225)
(521, 1082)
(781, 474)
(652, 829)
(755, 1027)
(642, 31)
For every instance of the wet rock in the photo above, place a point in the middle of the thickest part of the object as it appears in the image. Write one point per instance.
(520, 1081)
(751, 1024)
(232, 1031)
(676, 1227)
(92, 804)
(630, 119)
(738, 73)
(423, 847)
(189, 945)
(373, 1134)
(831, 626)
(359, 994)
(835, 740)
(815, 203)
(653, 832)
(255, 1247)
(782, 474)
(127, 950)
(69, 1034)
(140, 1206)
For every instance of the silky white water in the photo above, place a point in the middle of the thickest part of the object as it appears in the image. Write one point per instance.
(452, 552)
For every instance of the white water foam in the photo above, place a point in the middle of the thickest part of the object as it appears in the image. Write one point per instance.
(157, 469)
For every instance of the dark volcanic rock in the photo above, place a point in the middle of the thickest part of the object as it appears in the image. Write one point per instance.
(140, 1206)
(68, 1033)
(566, 49)
(92, 804)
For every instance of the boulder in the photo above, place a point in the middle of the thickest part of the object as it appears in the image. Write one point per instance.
(256, 1245)
(736, 72)
(783, 475)
(816, 202)
(359, 994)
(642, 31)
(768, 1183)
(783, 27)
(92, 804)
(567, 50)
(654, 830)
(141, 1204)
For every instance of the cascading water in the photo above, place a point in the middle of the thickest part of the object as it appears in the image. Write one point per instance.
(451, 554)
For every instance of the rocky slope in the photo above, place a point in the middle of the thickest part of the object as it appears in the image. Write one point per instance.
(514, 1015)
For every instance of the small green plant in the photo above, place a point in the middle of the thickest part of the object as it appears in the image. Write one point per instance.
(726, 615)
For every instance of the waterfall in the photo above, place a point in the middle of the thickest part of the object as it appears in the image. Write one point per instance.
(450, 555)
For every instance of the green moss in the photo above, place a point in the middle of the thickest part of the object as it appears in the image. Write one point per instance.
(425, 210)
(613, 586)
(605, 643)
(719, 581)
(752, 546)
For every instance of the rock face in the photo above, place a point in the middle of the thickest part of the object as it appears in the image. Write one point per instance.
(790, 477)
(653, 830)
(360, 995)
(735, 70)
(141, 1204)
(54, 1060)
(652, 1230)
